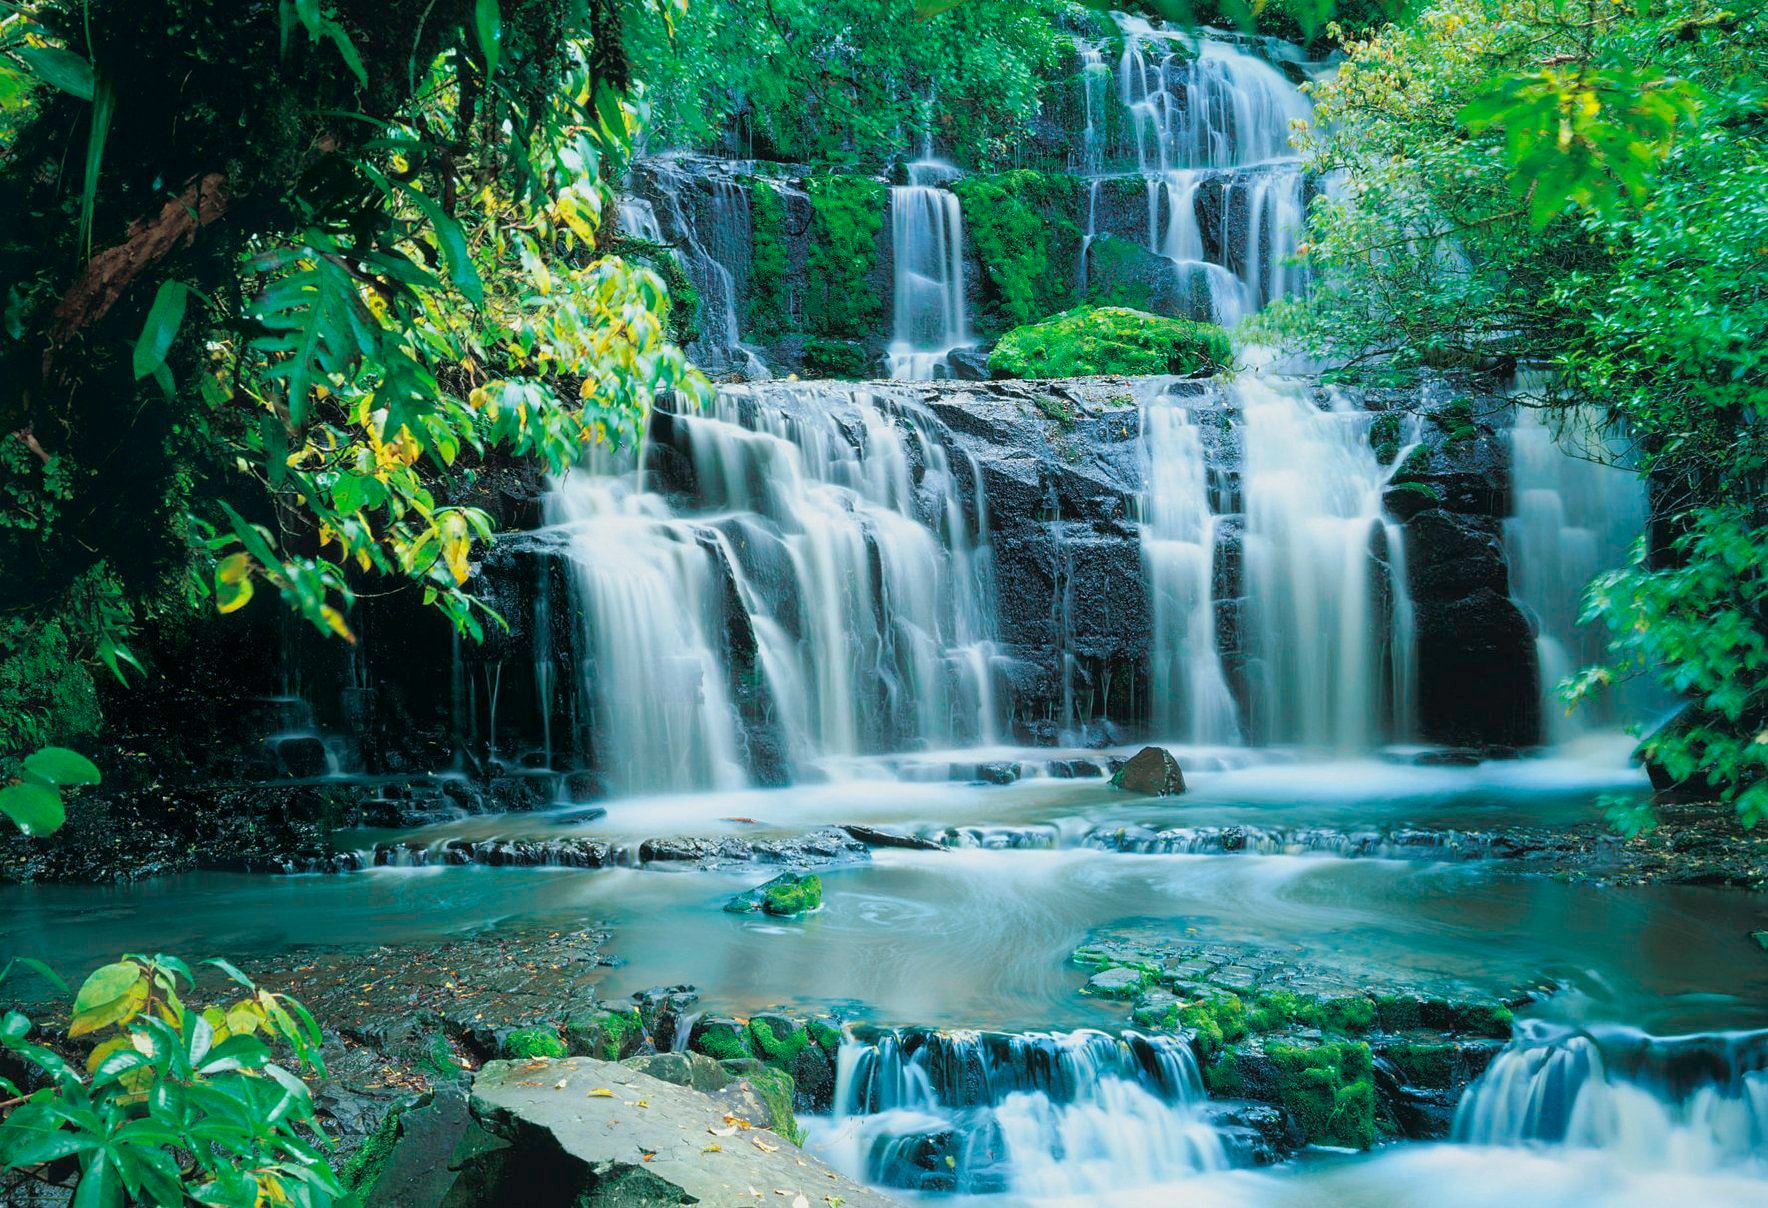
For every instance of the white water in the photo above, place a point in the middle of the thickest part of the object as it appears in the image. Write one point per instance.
(927, 245)
(1576, 510)
(1206, 115)
(1317, 612)
(1046, 1114)
(1189, 696)
(716, 255)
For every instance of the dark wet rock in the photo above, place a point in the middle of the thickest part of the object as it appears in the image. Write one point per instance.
(407, 1162)
(873, 836)
(1152, 772)
(1254, 1134)
(303, 757)
(1074, 769)
(1120, 982)
(829, 845)
(1000, 772)
(543, 1142)
(609, 1034)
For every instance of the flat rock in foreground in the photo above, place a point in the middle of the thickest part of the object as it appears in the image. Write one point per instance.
(553, 1135)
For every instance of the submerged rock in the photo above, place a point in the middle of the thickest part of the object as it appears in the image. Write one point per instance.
(1152, 772)
(573, 1131)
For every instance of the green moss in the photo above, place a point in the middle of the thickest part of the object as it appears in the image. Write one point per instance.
(826, 1035)
(1384, 437)
(1113, 274)
(1328, 1091)
(1099, 340)
(1214, 1022)
(363, 1169)
(533, 1042)
(1473, 1018)
(721, 1039)
(845, 359)
(799, 897)
(1156, 1016)
(778, 1040)
(1428, 1065)
(1021, 225)
(775, 1088)
(1456, 421)
(1059, 411)
(608, 1035)
(847, 217)
(1274, 1010)
(769, 306)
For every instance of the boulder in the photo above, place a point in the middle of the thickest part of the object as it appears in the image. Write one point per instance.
(787, 895)
(1152, 772)
(595, 1133)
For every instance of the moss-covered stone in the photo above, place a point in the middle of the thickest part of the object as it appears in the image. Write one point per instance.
(775, 1089)
(1429, 1065)
(533, 1042)
(608, 1035)
(800, 897)
(847, 218)
(1384, 437)
(1276, 1009)
(721, 1038)
(1088, 341)
(1214, 1022)
(362, 1169)
(1117, 273)
(1022, 225)
(847, 360)
(1328, 1091)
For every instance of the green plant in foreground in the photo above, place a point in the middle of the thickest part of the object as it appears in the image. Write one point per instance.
(173, 1103)
(34, 800)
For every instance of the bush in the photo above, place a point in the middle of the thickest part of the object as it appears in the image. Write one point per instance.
(1109, 339)
(846, 359)
(173, 1103)
(847, 217)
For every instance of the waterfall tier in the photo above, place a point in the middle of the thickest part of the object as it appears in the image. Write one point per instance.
(1052, 1114)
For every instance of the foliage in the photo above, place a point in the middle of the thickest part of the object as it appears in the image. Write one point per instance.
(1021, 227)
(533, 1042)
(33, 800)
(851, 81)
(173, 1102)
(1109, 340)
(1583, 187)
(770, 299)
(316, 280)
(844, 359)
(801, 896)
(847, 219)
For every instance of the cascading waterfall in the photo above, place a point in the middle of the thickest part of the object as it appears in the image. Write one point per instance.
(826, 529)
(1692, 1103)
(1576, 509)
(1051, 1114)
(1189, 695)
(716, 255)
(1207, 117)
(1326, 591)
(927, 245)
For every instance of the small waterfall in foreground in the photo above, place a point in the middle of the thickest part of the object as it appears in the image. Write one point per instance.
(1325, 577)
(1692, 1103)
(1211, 121)
(927, 245)
(818, 589)
(1576, 510)
(1189, 696)
(1047, 1114)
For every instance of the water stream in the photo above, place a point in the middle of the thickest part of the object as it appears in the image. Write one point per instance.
(927, 247)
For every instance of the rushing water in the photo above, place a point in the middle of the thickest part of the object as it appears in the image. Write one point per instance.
(927, 247)
(1208, 118)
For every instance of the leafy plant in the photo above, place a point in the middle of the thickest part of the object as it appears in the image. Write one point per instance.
(34, 799)
(173, 1103)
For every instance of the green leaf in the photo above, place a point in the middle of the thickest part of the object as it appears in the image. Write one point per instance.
(163, 320)
(488, 28)
(60, 766)
(36, 808)
(453, 241)
(106, 985)
(62, 69)
(100, 1187)
(104, 104)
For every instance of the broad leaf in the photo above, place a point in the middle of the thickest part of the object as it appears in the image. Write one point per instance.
(60, 766)
(59, 68)
(161, 328)
(36, 808)
(488, 28)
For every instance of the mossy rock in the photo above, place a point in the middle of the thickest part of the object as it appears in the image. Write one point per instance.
(609, 1035)
(1427, 1065)
(776, 1091)
(1089, 341)
(801, 897)
(1384, 437)
(1214, 1022)
(1276, 1009)
(532, 1042)
(363, 1168)
(847, 360)
(768, 306)
(1328, 1091)
(1023, 227)
(721, 1038)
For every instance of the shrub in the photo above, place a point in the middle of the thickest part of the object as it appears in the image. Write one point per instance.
(1108, 339)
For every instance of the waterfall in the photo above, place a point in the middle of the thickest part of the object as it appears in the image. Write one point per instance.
(1576, 510)
(927, 246)
(818, 577)
(1189, 695)
(1694, 1103)
(1047, 1114)
(1211, 128)
(710, 215)
(1326, 596)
